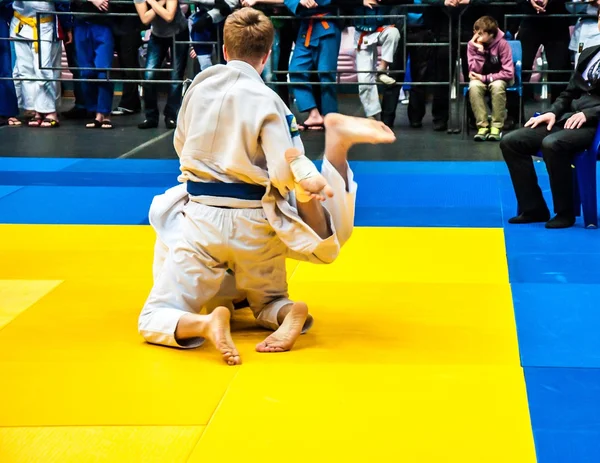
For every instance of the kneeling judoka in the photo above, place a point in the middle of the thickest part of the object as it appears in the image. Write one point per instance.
(250, 199)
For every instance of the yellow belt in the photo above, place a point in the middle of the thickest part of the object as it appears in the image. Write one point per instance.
(31, 22)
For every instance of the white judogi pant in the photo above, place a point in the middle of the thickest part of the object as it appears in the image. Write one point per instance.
(366, 60)
(40, 96)
(258, 265)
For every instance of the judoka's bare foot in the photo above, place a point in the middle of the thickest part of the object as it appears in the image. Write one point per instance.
(348, 130)
(294, 316)
(316, 185)
(218, 332)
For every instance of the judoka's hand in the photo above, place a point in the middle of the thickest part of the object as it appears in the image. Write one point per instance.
(575, 121)
(451, 3)
(370, 3)
(248, 2)
(547, 118)
(193, 53)
(308, 3)
(69, 38)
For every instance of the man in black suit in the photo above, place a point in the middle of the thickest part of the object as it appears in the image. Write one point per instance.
(566, 129)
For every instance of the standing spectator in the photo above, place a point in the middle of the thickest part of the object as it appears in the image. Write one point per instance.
(370, 33)
(491, 69)
(553, 33)
(168, 24)
(8, 97)
(128, 40)
(94, 47)
(585, 33)
(39, 56)
(317, 48)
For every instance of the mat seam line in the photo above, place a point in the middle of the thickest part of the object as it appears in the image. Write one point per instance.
(23, 311)
(212, 416)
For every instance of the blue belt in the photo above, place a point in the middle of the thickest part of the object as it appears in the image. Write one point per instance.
(227, 190)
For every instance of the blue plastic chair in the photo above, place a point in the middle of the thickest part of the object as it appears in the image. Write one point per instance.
(584, 182)
(517, 87)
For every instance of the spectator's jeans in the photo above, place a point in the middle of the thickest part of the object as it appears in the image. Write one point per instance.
(94, 47)
(8, 96)
(157, 52)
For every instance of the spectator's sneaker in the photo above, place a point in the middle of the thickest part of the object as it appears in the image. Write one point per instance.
(385, 79)
(121, 111)
(495, 134)
(482, 134)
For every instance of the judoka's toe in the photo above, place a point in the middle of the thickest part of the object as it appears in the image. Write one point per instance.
(286, 335)
(220, 336)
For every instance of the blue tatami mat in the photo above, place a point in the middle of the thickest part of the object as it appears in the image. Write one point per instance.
(427, 216)
(78, 205)
(413, 194)
(558, 325)
(35, 164)
(564, 406)
(6, 190)
(554, 268)
(535, 239)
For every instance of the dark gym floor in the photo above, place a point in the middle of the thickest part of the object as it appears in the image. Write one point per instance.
(72, 140)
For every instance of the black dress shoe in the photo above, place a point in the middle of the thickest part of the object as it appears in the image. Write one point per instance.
(440, 126)
(170, 123)
(531, 217)
(561, 221)
(148, 124)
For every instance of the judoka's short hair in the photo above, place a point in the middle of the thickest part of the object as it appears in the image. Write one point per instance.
(486, 24)
(248, 34)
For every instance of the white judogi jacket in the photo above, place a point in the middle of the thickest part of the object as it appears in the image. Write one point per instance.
(232, 128)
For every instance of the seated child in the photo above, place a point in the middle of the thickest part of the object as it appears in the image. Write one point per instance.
(491, 68)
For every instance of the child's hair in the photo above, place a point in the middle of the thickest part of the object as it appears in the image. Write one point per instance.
(248, 34)
(486, 24)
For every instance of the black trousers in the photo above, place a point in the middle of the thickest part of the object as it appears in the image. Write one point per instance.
(554, 35)
(287, 37)
(558, 148)
(426, 64)
(127, 46)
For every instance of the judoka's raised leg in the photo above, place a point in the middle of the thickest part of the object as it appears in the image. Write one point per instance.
(342, 132)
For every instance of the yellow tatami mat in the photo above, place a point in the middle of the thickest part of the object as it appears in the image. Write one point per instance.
(18, 295)
(131, 444)
(413, 357)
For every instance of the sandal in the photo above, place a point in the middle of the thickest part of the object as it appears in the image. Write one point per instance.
(96, 124)
(107, 125)
(315, 127)
(35, 121)
(14, 122)
(50, 123)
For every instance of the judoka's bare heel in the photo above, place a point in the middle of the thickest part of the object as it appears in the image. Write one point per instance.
(348, 130)
(315, 185)
(219, 334)
(284, 338)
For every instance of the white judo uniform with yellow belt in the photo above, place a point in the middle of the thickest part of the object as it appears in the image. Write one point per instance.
(234, 129)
